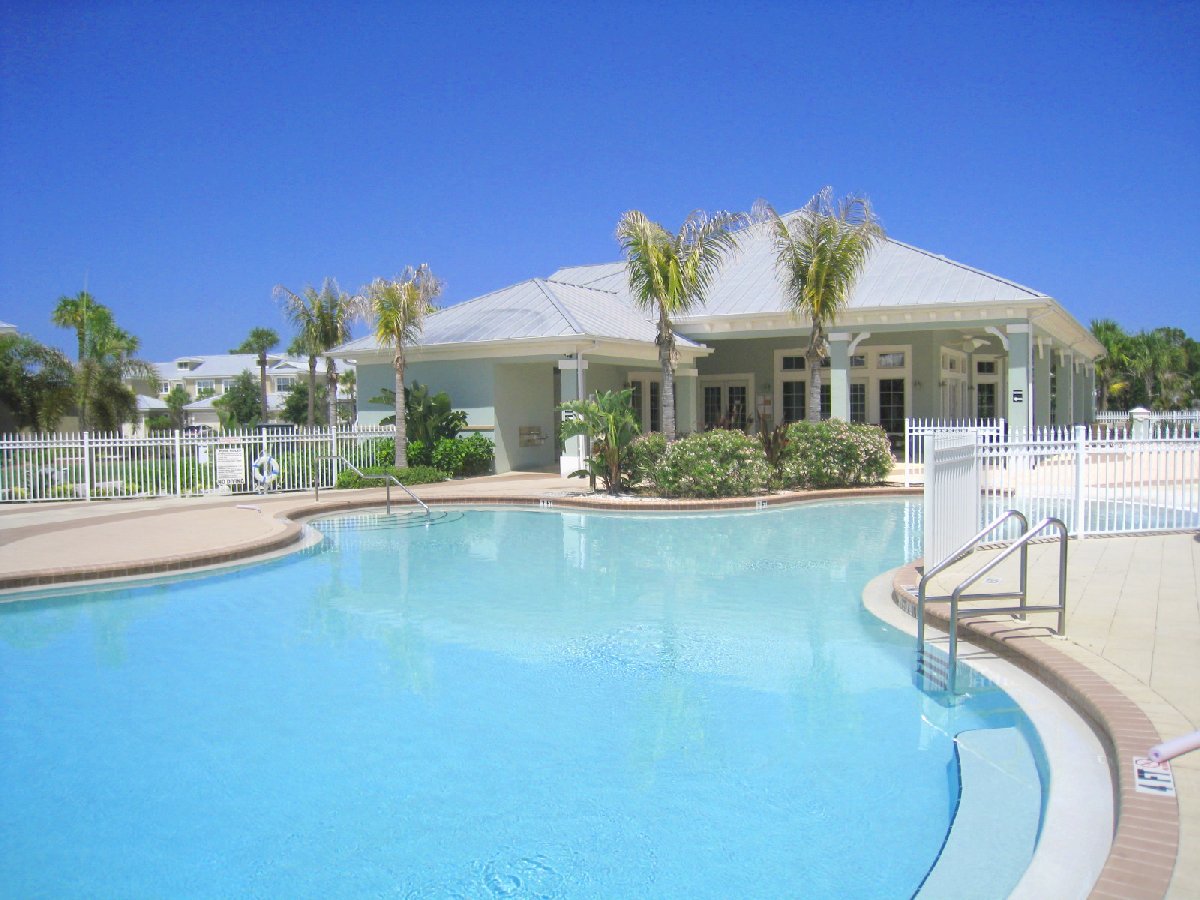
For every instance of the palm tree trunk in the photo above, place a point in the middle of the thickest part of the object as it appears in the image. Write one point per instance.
(812, 360)
(331, 390)
(666, 356)
(401, 460)
(312, 391)
(262, 381)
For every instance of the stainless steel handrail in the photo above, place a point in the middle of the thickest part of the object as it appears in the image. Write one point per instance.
(1021, 544)
(955, 557)
(387, 479)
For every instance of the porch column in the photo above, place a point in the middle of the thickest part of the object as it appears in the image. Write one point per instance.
(686, 381)
(1088, 391)
(1066, 388)
(1043, 356)
(574, 387)
(839, 376)
(1018, 405)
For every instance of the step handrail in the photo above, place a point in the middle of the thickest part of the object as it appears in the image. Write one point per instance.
(1021, 544)
(387, 479)
(955, 557)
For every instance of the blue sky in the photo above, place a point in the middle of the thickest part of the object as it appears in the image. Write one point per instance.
(185, 158)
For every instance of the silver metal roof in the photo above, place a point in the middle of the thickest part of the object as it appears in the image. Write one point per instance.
(896, 274)
(229, 365)
(529, 310)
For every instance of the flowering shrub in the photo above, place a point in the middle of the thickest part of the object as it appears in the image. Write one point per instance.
(711, 464)
(834, 454)
(643, 455)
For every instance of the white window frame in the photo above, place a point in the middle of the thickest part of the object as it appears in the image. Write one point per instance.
(869, 375)
(739, 379)
(997, 378)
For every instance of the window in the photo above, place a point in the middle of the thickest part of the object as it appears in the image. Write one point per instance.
(164, 387)
(792, 363)
(793, 401)
(893, 360)
(985, 401)
(284, 382)
(826, 400)
(858, 402)
(183, 364)
(205, 384)
(858, 361)
(655, 406)
(891, 405)
(985, 366)
(826, 363)
(712, 406)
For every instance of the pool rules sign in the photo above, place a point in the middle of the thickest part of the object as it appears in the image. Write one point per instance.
(230, 465)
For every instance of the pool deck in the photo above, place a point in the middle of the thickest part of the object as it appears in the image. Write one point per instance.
(1131, 658)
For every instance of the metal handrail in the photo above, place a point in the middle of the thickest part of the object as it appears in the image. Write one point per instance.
(387, 479)
(1021, 544)
(955, 557)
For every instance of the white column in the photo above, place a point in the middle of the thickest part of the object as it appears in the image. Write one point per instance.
(839, 376)
(574, 387)
(1019, 403)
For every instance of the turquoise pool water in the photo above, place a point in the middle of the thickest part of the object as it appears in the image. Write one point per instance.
(505, 702)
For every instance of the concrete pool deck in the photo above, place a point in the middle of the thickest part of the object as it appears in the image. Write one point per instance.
(1132, 655)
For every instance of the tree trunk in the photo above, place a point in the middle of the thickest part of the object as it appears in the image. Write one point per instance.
(401, 460)
(312, 391)
(262, 381)
(812, 360)
(666, 357)
(331, 390)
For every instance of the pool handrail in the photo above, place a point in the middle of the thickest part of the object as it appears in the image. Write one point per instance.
(955, 557)
(387, 479)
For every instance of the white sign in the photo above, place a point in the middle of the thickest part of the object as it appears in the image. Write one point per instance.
(231, 465)
(1153, 777)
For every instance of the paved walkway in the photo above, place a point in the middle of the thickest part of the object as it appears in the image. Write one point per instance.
(1134, 602)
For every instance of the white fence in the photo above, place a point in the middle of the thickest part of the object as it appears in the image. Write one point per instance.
(1171, 417)
(952, 498)
(916, 430)
(1098, 481)
(87, 466)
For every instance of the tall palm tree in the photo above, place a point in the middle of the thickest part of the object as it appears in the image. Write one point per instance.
(76, 312)
(398, 309)
(259, 342)
(1113, 367)
(322, 320)
(820, 252)
(669, 275)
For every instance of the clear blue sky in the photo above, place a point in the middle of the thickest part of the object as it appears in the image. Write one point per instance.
(185, 158)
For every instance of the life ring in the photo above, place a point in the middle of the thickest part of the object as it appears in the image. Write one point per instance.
(266, 470)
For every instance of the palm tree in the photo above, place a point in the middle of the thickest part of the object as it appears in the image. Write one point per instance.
(669, 276)
(76, 312)
(820, 252)
(323, 321)
(259, 341)
(398, 309)
(1113, 366)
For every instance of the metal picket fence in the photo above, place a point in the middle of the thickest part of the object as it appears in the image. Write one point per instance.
(916, 430)
(87, 466)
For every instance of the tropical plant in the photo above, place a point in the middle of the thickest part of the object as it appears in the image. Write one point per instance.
(1113, 367)
(258, 342)
(820, 252)
(609, 423)
(397, 309)
(718, 463)
(669, 275)
(322, 319)
(774, 441)
(238, 406)
(177, 398)
(36, 382)
(427, 418)
(296, 405)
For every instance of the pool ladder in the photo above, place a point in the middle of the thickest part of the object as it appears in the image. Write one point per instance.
(388, 481)
(1021, 546)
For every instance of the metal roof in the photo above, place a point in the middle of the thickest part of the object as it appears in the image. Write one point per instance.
(532, 309)
(896, 274)
(228, 365)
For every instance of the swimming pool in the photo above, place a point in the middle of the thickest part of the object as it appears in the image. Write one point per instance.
(505, 702)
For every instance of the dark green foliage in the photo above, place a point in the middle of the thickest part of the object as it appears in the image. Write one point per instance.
(239, 405)
(607, 420)
(428, 418)
(260, 340)
(774, 443)
(295, 405)
(463, 457)
(176, 400)
(158, 422)
(36, 382)
(642, 455)
(383, 452)
(716, 463)
(348, 478)
(834, 454)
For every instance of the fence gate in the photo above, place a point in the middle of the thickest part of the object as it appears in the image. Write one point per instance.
(952, 499)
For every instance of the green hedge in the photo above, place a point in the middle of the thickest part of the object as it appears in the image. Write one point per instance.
(643, 455)
(834, 454)
(464, 457)
(716, 463)
(348, 478)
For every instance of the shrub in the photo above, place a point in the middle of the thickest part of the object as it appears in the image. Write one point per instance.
(643, 455)
(464, 456)
(712, 464)
(384, 452)
(348, 478)
(834, 454)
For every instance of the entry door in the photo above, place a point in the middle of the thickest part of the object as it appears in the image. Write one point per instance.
(985, 399)
(726, 404)
(647, 403)
(891, 408)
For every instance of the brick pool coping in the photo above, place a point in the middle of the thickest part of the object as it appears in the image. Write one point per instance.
(1145, 842)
